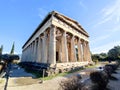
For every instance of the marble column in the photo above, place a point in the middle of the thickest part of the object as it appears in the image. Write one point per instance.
(39, 50)
(88, 53)
(64, 48)
(59, 52)
(28, 54)
(73, 51)
(79, 50)
(32, 51)
(43, 49)
(52, 46)
(35, 50)
(23, 54)
(84, 50)
(36, 55)
(44, 43)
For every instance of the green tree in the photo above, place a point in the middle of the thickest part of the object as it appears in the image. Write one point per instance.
(1, 50)
(103, 56)
(12, 49)
(114, 53)
(95, 57)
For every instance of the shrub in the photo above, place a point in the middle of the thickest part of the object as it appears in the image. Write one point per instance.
(72, 83)
(99, 79)
(108, 70)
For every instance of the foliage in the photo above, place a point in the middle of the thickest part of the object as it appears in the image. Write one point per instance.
(12, 49)
(100, 57)
(95, 57)
(103, 56)
(72, 83)
(99, 79)
(1, 49)
(108, 70)
(114, 53)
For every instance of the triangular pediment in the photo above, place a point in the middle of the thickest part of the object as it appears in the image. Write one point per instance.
(70, 21)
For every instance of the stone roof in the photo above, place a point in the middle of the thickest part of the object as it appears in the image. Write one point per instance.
(65, 19)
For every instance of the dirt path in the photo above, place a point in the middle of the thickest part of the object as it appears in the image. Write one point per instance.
(16, 83)
(115, 84)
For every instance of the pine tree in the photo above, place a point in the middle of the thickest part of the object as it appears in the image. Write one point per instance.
(1, 49)
(12, 49)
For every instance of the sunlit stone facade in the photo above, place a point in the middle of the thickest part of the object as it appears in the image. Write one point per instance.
(59, 41)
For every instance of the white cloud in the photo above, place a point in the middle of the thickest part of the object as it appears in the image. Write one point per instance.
(107, 26)
(115, 29)
(42, 13)
(100, 38)
(105, 48)
(111, 13)
(82, 4)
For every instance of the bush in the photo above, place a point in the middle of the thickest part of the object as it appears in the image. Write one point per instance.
(99, 80)
(108, 70)
(72, 83)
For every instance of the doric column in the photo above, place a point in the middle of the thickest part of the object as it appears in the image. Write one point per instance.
(25, 54)
(73, 51)
(35, 43)
(45, 47)
(42, 49)
(28, 54)
(39, 50)
(59, 52)
(52, 46)
(84, 50)
(88, 53)
(32, 50)
(79, 50)
(36, 51)
(64, 48)
(36, 55)
(22, 58)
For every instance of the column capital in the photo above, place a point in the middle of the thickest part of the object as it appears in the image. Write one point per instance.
(79, 40)
(52, 26)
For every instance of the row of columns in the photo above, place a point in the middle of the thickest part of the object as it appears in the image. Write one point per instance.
(71, 55)
(43, 49)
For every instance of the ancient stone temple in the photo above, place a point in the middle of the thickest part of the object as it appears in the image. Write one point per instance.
(59, 41)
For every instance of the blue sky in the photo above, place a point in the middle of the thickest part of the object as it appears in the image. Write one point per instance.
(100, 18)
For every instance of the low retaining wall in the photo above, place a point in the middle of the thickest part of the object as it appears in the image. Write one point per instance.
(51, 69)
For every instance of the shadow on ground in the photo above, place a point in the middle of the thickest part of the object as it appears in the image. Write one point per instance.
(17, 71)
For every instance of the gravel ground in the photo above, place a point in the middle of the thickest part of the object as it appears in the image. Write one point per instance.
(115, 84)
